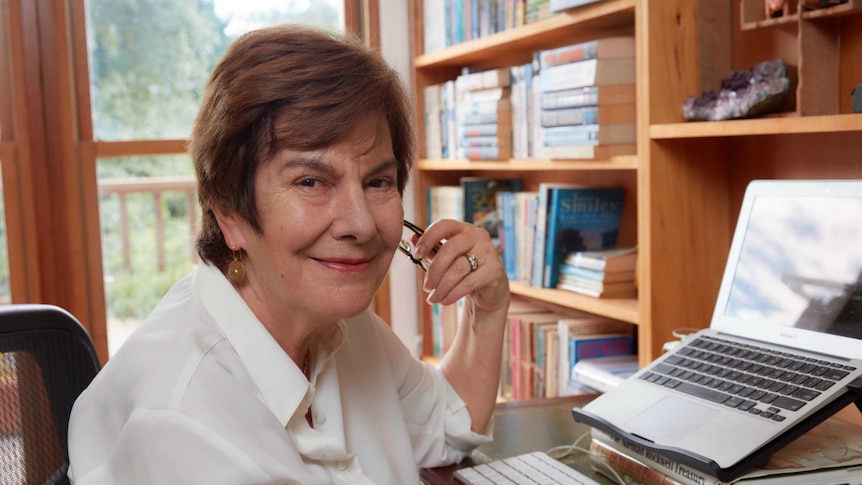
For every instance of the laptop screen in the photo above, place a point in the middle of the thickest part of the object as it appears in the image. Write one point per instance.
(800, 264)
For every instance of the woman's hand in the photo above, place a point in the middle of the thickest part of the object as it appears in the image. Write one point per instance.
(451, 276)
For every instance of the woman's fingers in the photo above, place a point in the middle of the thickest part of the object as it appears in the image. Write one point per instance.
(466, 264)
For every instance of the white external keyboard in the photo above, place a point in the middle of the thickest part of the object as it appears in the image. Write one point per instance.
(529, 468)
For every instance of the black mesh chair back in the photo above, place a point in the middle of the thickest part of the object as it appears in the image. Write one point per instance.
(46, 359)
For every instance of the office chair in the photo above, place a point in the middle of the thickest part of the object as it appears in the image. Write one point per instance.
(46, 359)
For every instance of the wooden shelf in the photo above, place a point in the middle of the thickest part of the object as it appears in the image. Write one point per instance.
(629, 162)
(499, 49)
(625, 309)
(763, 126)
(852, 7)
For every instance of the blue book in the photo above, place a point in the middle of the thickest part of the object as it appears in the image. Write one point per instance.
(506, 208)
(480, 202)
(602, 345)
(579, 219)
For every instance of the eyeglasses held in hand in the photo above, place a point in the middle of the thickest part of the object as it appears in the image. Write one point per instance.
(406, 247)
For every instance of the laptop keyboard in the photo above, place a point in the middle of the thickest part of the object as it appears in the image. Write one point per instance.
(742, 376)
(529, 468)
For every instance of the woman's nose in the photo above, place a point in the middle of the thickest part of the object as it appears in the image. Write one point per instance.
(352, 216)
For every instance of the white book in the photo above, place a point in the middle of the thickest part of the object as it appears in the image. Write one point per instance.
(604, 373)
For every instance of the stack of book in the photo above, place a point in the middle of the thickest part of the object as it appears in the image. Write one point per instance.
(607, 273)
(586, 99)
(829, 454)
(484, 115)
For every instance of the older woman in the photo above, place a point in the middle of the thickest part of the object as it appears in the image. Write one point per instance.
(264, 365)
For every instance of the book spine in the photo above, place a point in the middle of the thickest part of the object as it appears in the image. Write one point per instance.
(588, 115)
(594, 133)
(589, 96)
(609, 461)
(570, 53)
(487, 153)
(592, 72)
(510, 248)
(490, 129)
(572, 98)
(588, 151)
(590, 348)
(536, 277)
(567, 76)
(480, 141)
(677, 471)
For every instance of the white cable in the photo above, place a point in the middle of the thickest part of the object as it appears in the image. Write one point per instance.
(597, 458)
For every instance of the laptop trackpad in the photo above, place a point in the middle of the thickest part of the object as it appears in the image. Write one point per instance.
(670, 419)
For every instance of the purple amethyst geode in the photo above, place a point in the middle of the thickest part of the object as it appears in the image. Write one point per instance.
(744, 94)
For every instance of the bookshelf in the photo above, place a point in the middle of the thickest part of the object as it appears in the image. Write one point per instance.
(687, 179)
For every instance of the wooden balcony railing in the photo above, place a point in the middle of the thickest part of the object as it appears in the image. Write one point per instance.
(155, 186)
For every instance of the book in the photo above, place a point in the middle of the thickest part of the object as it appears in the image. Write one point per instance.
(588, 96)
(591, 72)
(579, 219)
(589, 115)
(536, 10)
(480, 202)
(581, 152)
(604, 373)
(540, 232)
(625, 468)
(508, 233)
(561, 5)
(570, 326)
(626, 289)
(831, 453)
(592, 346)
(606, 260)
(596, 284)
(525, 223)
(434, 28)
(596, 275)
(490, 78)
(433, 121)
(487, 153)
(604, 48)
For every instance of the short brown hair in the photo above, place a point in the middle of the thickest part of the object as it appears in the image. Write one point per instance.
(288, 86)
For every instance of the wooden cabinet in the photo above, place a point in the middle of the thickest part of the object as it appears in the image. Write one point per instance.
(687, 179)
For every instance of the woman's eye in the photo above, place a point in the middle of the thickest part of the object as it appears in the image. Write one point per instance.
(309, 182)
(380, 183)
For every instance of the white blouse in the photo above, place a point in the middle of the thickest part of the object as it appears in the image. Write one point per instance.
(201, 393)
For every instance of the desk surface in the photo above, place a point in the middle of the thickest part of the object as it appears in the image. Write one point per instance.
(521, 427)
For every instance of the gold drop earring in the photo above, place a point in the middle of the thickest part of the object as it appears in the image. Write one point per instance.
(236, 270)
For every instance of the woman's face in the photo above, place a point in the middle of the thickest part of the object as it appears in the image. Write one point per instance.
(331, 222)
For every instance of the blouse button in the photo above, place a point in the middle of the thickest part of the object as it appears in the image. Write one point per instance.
(342, 465)
(320, 418)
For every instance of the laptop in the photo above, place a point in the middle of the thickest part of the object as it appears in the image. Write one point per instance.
(784, 347)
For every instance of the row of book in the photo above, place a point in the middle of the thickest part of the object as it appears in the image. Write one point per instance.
(451, 22)
(829, 454)
(543, 347)
(571, 102)
(548, 238)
